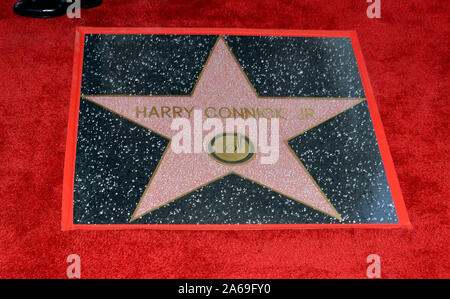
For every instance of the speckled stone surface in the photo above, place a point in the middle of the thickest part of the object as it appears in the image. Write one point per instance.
(299, 66)
(116, 158)
(143, 64)
(343, 157)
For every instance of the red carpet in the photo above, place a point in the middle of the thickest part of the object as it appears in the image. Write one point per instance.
(406, 53)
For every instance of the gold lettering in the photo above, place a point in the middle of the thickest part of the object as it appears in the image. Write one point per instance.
(189, 111)
(141, 111)
(264, 114)
(278, 113)
(306, 113)
(210, 108)
(177, 111)
(258, 113)
(227, 110)
(222, 112)
(236, 112)
(247, 113)
(165, 111)
(153, 112)
(309, 113)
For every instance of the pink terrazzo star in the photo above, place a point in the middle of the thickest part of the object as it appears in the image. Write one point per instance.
(223, 83)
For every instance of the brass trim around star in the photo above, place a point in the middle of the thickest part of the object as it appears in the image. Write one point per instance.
(133, 217)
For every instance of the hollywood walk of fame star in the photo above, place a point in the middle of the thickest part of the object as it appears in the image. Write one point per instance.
(222, 80)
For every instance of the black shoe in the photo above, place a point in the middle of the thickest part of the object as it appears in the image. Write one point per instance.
(49, 8)
(41, 8)
(90, 3)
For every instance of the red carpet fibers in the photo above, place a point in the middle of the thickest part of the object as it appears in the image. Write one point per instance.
(407, 56)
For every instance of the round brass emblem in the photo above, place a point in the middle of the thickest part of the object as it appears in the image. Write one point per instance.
(231, 148)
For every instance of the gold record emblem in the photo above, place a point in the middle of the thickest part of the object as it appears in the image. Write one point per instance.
(231, 148)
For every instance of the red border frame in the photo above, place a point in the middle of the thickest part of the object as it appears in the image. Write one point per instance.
(69, 166)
